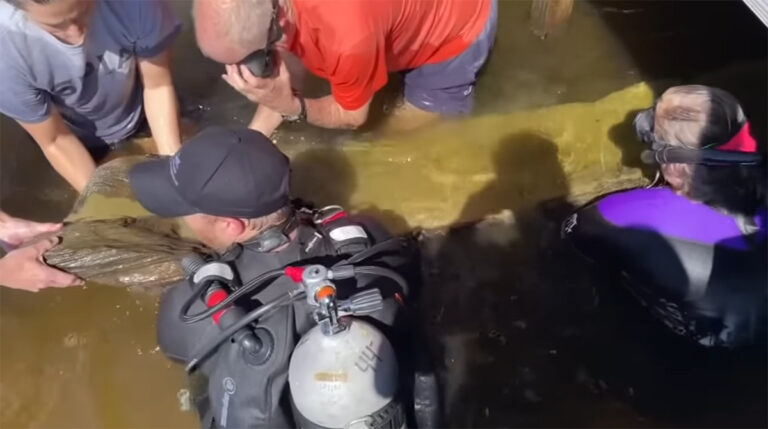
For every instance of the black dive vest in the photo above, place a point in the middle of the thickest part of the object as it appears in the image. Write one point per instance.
(240, 395)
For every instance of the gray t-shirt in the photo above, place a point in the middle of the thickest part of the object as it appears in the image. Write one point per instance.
(94, 85)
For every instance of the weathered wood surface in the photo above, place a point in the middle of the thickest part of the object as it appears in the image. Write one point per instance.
(549, 17)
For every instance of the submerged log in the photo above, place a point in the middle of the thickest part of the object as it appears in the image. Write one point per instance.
(549, 17)
(109, 239)
(451, 173)
(142, 254)
(462, 170)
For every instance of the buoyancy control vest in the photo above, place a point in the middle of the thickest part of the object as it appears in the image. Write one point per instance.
(241, 395)
(701, 271)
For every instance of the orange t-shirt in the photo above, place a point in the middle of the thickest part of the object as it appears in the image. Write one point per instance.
(355, 43)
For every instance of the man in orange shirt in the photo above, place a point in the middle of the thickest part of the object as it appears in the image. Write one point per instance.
(439, 45)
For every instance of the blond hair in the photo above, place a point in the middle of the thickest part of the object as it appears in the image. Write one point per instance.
(257, 225)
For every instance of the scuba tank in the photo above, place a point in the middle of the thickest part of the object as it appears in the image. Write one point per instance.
(346, 380)
(343, 373)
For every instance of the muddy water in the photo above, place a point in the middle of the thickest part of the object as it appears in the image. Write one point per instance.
(509, 331)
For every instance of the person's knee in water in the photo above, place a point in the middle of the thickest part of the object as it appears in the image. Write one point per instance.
(232, 187)
(694, 250)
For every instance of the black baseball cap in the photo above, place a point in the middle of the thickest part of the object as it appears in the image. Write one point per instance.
(233, 172)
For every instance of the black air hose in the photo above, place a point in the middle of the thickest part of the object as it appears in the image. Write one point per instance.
(260, 312)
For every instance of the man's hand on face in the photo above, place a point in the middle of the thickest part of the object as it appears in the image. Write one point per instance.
(273, 92)
(25, 269)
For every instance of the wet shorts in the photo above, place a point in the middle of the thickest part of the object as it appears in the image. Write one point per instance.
(447, 87)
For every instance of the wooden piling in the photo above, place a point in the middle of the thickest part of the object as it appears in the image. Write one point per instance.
(549, 17)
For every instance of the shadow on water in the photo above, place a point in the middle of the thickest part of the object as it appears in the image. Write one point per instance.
(624, 137)
(499, 292)
(519, 338)
(527, 172)
(325, 176)
(625, 353)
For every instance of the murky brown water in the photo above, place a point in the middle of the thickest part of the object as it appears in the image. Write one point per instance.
(552, 124)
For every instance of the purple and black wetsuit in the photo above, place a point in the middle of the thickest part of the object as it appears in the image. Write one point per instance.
(701, 271)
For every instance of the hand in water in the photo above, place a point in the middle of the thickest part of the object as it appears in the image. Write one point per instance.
(273, 92)
(15, 231)
(25, 269)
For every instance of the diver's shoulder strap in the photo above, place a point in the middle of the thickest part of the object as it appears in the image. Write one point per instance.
(334, 231)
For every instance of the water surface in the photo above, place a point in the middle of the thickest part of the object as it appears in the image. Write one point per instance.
(516, 333)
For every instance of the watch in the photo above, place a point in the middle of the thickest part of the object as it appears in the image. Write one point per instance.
(302, 116)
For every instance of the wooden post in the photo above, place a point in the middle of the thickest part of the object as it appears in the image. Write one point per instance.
(550, 16)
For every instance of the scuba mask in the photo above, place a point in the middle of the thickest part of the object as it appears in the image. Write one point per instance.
(741, 149)
(272, 237)
(268, 240)
(261, 63)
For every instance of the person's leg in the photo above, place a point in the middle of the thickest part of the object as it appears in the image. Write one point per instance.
(447, 88)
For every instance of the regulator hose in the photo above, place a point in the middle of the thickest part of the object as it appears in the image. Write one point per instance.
(384, 272)
(290, 297)
(391, 244)
(260, 312)
(197, 291)
(237, 294)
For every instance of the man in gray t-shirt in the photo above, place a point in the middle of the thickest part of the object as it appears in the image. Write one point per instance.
(76, 73)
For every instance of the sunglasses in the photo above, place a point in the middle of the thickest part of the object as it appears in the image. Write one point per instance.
(261, 63)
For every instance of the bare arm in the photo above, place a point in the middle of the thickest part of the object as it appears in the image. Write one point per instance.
(324, 112)
(275, 98)
(265, 120)
(160, 104)
(63, 149)
(327, 113)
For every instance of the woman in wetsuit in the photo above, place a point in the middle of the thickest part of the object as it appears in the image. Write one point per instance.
(694, 251)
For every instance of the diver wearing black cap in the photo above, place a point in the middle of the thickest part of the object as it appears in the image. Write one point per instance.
(232, 187)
